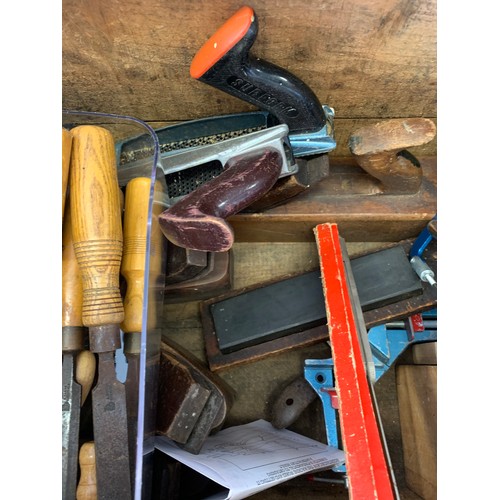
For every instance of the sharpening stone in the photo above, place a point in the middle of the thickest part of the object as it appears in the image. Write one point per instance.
(297, 303)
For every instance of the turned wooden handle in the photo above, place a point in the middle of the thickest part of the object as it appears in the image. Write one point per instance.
(135, 225)
(87, 486)
(85, 372)
(97, 229)
(66, 158)
(380, 149)
(197, 221)
(72, 289)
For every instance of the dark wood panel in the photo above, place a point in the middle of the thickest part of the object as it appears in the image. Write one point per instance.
(365, 58)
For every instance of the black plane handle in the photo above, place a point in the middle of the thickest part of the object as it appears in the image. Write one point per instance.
(224, 62)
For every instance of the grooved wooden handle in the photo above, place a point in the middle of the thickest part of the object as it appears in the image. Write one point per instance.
(97, 229)
(87, 487)
(85, 372)
(134, 250)
(72, 289)
(66, 157)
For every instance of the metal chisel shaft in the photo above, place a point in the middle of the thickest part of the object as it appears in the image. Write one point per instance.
(98, 240)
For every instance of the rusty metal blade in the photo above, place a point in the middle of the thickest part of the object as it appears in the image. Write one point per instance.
(71, 398)
(132, 393)
(110, 433)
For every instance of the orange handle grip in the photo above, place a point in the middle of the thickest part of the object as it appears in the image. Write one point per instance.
(135, 223)
(66, 157)
(97, 229)
(87, 487)
(223, 40)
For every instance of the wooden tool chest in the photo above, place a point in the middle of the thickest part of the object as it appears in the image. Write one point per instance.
(371, 61)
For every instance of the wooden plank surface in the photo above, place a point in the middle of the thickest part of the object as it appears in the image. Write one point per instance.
(368, 59)
(417, 395)
(360, 217)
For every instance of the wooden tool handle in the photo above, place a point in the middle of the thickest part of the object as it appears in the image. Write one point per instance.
(72, 289)
(135, 225)
(85, 372)
(380, 149)
(87, 487)
(66, 157)
(97, 230)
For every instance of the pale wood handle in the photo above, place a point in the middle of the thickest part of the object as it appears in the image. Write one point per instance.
(66, 157)
(72, 289)
(97, 230)
(87, 487)
(135, 225)
(85, 372)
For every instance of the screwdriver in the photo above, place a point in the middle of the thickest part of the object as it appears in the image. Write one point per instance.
(98, 240)
(73, 341)
(135, 225)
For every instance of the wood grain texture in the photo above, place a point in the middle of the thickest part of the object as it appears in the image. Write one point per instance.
(87, 487)
(361, 217)
(417, 395)
(368, 59)
(135, 225)
(97, 226)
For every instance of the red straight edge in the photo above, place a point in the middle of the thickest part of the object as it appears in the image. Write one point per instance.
(366, 464)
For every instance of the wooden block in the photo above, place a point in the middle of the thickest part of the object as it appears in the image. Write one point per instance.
(417, 395)
(349, 198)
(425, 353)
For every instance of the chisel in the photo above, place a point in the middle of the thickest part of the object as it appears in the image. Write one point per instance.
(73, 341)
(98, 240)
(135, 225)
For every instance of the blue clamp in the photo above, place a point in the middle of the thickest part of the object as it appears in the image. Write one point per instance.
(423, 239)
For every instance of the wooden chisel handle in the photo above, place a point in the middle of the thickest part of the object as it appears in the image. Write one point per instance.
(97, 229)
(72, 289)
(135, 225)
(85, 372)
(87, 487)
(73, 331)
(66, 157)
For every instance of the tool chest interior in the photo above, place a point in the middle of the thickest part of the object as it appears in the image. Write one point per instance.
(128, 66)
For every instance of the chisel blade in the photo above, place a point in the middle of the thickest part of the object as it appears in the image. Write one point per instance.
(132, 392)
(109, 412)
(71, 398)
